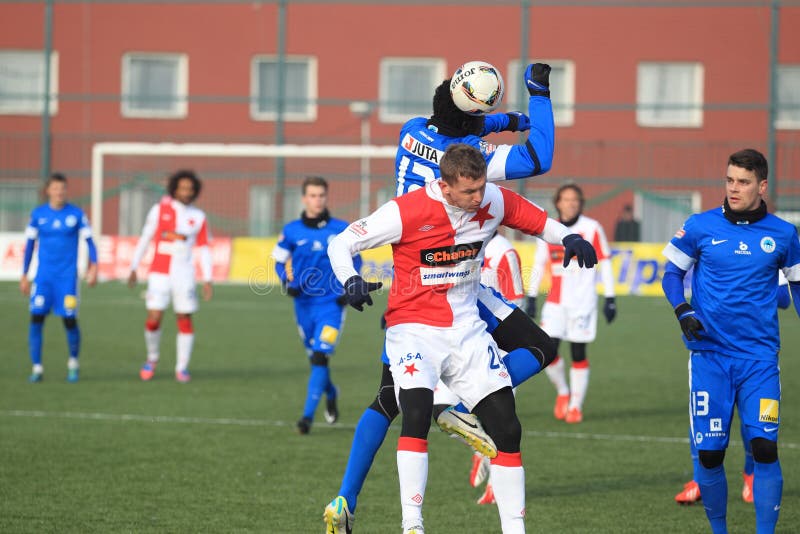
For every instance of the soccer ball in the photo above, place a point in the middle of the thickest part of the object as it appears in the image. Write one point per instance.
(476, 88)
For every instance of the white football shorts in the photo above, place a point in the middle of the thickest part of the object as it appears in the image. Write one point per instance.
(163, 287)
(570, 324)
(465, 357)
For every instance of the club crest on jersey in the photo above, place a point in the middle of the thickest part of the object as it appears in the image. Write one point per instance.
(486, 147)
(768, 244)
(422, 150)
(451, 255)
(71, 221)
(359, 227)
(482, 215)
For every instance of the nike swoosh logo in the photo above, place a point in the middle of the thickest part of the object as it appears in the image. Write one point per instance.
(715, 242)
(773, 429)
(471, 425)
(302, 242)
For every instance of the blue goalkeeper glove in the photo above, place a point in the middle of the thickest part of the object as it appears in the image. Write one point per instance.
(575, 245)
(690, 324)
(357, 290)
(537, 79)
(610, 309)
(518, 122)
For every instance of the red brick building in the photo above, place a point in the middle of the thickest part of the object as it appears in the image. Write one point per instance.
(650, 100)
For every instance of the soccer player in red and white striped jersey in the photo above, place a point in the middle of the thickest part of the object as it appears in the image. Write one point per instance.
(176, 227)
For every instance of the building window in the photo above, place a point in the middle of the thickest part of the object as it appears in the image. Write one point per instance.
(669, 95)
(562, 89)
(155, 86)
(299, 88)
(788, 116)
(22, 76)
(407, 86)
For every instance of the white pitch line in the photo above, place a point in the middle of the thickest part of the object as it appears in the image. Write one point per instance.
(268, 423)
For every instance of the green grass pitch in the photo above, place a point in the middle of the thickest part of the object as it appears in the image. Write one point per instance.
(113, 454)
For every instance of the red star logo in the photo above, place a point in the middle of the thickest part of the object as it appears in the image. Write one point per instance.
(191, 222)
(411, 369)
(482, 215)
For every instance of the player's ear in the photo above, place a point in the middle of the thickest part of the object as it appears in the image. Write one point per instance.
(762, 187)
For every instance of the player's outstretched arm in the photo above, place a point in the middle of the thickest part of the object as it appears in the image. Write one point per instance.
(513, 121)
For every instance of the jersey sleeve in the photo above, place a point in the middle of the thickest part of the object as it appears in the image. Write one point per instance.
(535, 156)
(148, 231)
(509, 276)
(382, 227)
(204, 235)
(791, 263)
(32, 230)
(682, 248)
(600, 244)
(283, 248)
(494, 123)
(522, 214)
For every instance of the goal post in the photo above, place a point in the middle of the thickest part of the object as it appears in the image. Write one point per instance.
(224, 150)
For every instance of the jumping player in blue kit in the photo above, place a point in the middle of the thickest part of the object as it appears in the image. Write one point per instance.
(58, 226)
(731, 331)
(422, 143)
(318, 303)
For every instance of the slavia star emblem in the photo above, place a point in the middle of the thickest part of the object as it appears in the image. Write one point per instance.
(482, 215)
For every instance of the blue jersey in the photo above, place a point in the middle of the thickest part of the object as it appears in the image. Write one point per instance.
(307, 247)
(735, 275)
(421, 149)
(58, 232)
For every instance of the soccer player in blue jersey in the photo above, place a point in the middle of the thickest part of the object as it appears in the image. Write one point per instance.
(59, 227)
(422, 143)
(318, 302)
(731, 331)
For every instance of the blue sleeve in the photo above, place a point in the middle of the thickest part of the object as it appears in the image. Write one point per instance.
(357, 263)
(495, 123)
(784, 299)
(672, 284)
(280, 269)
(535, 157)
(29, 244)
(92, 250)
(794, 287)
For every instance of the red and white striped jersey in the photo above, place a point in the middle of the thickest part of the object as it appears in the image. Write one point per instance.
(176, 229)
(574, 286)
(437, 250)
(502, 269)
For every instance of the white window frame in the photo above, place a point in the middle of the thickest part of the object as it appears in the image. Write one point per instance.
(310, 114)
(439, 73)
(15, 108)
(645, 118)
(182, 95)
(563, 98)
(788, 123)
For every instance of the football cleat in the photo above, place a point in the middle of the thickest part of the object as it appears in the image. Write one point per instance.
(304, 426)
(479, 471)
(147, 371)
(747, 488)
(35, 378)
(331, 411)
(690, 493)
(560, 409)
(574, 415)
(416, 529)
(73, 375)
(488, 496)
(467, 428)
(183, 377)
(337, 517)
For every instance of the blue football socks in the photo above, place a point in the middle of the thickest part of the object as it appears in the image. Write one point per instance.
(370, 432)
(767, 491)
(318, 381)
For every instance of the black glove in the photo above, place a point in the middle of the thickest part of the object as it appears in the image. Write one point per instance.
(537, 79)
(341, 300)
(575, 245)
(292, 291)
(518, 122)
(690, 324)
(530, 307)
(610, 309)
(383, 322)
(357, 290)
